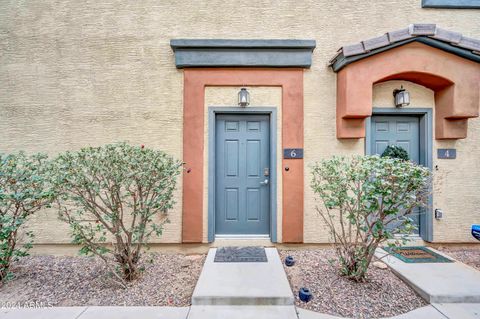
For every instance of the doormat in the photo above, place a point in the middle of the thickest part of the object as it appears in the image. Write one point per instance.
(240, 255)
(417, 254)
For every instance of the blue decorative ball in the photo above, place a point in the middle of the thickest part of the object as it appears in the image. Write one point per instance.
(289, 261)
(476, 231)
(305, 295)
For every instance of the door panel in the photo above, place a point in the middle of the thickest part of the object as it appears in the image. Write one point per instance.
(253, 158)
(253, 204)
(231, 158)
(380, 146)
(242, 152)
(403, 131)
(231, 204)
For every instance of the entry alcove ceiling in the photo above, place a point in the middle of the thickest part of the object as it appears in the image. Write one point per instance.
(445, 61)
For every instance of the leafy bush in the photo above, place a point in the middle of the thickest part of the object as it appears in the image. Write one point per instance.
(24, 189)
(115, 198)
(366, 201)
(394, 151)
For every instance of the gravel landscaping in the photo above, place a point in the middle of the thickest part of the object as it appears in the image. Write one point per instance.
(168, 280)
(383, 295)
(469, 256)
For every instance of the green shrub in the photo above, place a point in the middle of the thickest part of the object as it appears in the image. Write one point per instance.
(366, 200)
(115, 198)
(24, 189)
(394, 151)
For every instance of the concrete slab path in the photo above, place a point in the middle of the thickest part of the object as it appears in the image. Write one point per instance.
(95, 312)
(136, 312)
(242, 312)
(243, 283)
(459, 310)
(42, 313)
(437, 282)
(427, 312)
(434, 311)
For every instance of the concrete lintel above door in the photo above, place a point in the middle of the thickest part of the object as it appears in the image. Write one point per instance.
(242, 53)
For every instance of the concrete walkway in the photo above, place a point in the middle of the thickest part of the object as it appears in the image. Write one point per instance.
(96, 313)
(437, 282)
(242, 312)
(243, 290)
(434, 311)
(243, 283)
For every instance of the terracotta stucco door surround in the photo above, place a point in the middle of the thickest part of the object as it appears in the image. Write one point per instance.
(195, 81)
(455, 80)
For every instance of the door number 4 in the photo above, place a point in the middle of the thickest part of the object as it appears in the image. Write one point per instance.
(447, 153)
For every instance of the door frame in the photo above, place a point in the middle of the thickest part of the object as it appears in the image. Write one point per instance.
(212, 114)
(426, 145)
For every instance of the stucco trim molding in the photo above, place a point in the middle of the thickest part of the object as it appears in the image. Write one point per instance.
(242, 53)
(451, 4)
(195, 81)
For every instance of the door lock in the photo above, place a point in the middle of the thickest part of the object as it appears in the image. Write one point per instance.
(266, 171)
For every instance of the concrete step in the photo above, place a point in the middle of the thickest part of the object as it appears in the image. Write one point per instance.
(242, 312)
(438, 282)
(244, 283)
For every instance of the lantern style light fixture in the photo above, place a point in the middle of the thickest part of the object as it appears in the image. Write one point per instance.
(243, 97)
(401, 96)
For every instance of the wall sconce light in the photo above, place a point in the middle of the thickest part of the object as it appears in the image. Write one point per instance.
(402, 97)
(243, 97)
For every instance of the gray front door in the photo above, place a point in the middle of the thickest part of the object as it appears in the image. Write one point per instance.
(403, 131)
(242, 175)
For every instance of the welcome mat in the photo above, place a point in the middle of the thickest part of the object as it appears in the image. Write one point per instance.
(417, 254)
(240, 254)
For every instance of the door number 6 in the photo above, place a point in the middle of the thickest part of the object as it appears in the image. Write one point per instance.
(295, 153)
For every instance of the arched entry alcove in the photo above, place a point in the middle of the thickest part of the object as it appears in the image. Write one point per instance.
(451, 71)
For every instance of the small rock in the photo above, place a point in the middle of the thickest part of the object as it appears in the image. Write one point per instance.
(185, 263)
(380, 265)
(194, 257)
(92, 301)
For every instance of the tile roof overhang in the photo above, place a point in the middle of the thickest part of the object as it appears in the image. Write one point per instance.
(429, 34)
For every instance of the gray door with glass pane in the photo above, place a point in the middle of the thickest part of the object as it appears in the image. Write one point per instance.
(403, 131)
(242, 175)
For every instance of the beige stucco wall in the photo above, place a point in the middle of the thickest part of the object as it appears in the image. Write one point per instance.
(76, 73)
